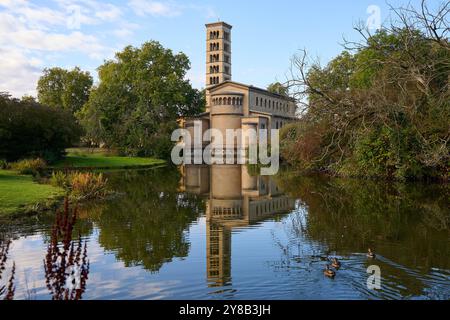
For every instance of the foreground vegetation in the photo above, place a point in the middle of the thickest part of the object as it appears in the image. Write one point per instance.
(19, 193)
(382, 107)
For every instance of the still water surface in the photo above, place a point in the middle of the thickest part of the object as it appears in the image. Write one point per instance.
(202, 232)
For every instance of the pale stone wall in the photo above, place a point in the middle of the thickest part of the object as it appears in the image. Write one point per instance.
(218, 53)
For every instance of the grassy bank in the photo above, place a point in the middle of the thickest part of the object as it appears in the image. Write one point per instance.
(81, 158)
(20, 193)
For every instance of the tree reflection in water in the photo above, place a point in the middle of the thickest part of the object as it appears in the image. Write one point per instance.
(66, 264)
(408, 225)
(148, 225)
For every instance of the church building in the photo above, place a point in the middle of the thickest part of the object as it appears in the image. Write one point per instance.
(233, 105)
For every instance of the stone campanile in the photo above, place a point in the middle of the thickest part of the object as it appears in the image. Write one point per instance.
(218, 53)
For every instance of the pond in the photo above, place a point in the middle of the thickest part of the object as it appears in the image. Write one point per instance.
(219, 232)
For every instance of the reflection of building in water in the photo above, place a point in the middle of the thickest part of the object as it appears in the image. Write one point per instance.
(218, 253)
(234, 199)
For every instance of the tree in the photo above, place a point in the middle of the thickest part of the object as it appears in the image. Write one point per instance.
(278, 88)
(28, 98)
(141, 94)
(148, 240)
(66, 89)
(380, 108)
(29, 129)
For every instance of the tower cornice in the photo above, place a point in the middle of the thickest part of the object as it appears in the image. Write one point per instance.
(218, 24)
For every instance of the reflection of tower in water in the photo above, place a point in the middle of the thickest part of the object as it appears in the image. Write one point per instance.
(218, 255)
(234, 199)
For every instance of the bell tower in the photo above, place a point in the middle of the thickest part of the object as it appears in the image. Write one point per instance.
(218, 53)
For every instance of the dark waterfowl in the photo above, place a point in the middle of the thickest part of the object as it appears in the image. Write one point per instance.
(328, 272)
(335, 263)
(370, 254)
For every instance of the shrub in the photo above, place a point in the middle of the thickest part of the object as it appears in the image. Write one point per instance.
(81, 185)
(87, 185)
(30, 166)
(60, 179)
(301, 144)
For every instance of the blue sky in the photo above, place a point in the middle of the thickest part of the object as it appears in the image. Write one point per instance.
(266, 34)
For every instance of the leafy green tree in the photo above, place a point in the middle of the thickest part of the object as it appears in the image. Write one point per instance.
(29, 129)
(278, 88)
(141, 94)
(380, 109)
(66, 89)
(28, 98)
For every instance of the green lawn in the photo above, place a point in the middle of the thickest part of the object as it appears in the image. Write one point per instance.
(18, 191)
(82, 158)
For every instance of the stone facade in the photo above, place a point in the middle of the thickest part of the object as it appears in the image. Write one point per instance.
(233, 105)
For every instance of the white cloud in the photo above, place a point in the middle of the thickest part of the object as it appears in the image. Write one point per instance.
(16, 33)
(108, 12)
(92, 12)
(35, 16)
(28, 31)
(154, 8)
(60, 29)
(122, 33)
(12, 3)
(18, 73)
(125, 30)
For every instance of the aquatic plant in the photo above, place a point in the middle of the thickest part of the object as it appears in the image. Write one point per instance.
(66, 264)
(81, 185)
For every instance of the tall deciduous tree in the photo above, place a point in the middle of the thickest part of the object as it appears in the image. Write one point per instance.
(141, 94)
(66, 89)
